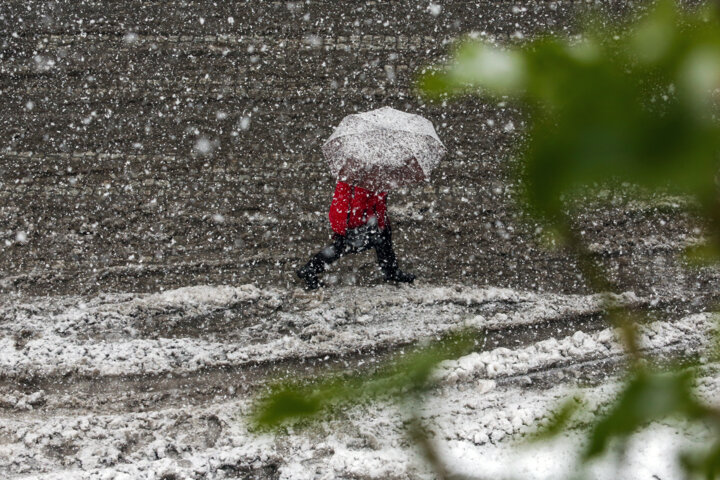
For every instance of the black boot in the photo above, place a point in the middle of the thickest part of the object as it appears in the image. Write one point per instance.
(309, 273)
(387, 259)
(399, 276)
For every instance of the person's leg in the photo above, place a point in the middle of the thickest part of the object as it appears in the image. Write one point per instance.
(382, 241)
(318, 263)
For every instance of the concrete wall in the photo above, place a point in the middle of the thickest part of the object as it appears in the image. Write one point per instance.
(107, 108)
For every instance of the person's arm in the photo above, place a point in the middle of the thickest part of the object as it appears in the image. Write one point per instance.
(381, 211)
(339, 208)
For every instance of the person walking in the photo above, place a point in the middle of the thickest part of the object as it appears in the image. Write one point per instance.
(370, 153)
(358, 218)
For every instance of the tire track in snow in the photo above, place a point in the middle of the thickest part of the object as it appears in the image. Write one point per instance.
(124, 351)
(470, 409)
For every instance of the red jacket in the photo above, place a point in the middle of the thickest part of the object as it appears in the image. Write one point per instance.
(365, 205)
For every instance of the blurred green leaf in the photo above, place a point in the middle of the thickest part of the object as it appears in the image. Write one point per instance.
(403, 375)
(704, 254)
(478, 67)
(633, 107)
(703, 464)
(435, 84)
(647, 397)
(287, 403)
(558, 421)
(636, 104)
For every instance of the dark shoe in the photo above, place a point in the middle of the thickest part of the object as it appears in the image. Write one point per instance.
(400, 277)
(307, 273)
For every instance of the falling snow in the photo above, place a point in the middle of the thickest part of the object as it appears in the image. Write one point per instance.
(162, 177)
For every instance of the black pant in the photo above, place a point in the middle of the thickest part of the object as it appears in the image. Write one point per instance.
(380, 240)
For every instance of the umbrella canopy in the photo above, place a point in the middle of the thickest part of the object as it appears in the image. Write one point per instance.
(383, 149)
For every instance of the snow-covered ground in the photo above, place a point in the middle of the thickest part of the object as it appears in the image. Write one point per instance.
(157, 386)
(191, 328)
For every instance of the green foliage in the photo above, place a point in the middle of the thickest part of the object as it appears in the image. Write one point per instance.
(703, 464)
(637, 106)
(703, 255)
(648, 396)
(403, 376)
(559, 420)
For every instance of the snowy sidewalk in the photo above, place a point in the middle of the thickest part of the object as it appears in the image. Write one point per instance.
(194, 428)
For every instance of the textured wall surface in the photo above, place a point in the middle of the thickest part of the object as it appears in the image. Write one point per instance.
(146, 145)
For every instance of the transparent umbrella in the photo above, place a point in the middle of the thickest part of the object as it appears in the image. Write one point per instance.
(383, 149)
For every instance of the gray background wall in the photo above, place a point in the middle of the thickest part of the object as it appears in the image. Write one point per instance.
(146, 145)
